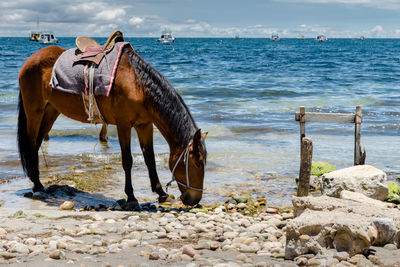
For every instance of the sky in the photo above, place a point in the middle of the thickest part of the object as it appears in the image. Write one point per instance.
(203, 18)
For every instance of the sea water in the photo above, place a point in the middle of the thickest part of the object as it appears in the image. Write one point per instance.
(245, 94)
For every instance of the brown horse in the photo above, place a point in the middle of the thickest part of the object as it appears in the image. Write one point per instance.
(140, 97)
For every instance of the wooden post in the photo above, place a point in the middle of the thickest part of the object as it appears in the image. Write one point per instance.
(305, 167)
(358, 154)
(302, 123)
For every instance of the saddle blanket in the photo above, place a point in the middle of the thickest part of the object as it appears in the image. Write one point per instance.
(68, 75)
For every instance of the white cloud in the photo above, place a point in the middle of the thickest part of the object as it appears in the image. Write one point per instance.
(114, 14)
(136, 21)
(382, 4)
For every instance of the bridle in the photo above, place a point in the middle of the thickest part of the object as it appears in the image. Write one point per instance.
(184, 154)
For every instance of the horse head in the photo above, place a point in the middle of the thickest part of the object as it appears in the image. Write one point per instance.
(188, 169)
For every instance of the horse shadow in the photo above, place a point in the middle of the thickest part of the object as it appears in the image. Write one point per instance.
(56, 195)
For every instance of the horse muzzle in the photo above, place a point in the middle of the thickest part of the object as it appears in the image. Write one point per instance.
(191, 198)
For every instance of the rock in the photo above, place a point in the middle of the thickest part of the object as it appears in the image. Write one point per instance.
(243, 198)
(341, 256)
(62, 245)
(186, 258)
(230, 235)
(20, 248)
(361, 198)
(154, 256)
(248, 249)
(313, 262)
(184, 234)
(360, 260)
(7, 255)
(3, 231)
(214, 245)
(55, 254)
(304, 238)
(188, 250)
(256, 228)
(390, 247)
(241, 206)
(202, 244)
(386, 230)
(384, 221)
(30, 241)
(301, 261)
(315, 182)
(67, 205)
(343, 231)
(53, 244)
(271, 210)
(261, 264)
(364, 179)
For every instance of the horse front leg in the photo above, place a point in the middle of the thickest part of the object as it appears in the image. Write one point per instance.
(145, 135)
(124, 137)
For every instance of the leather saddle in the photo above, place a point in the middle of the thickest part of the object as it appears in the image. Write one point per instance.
(91, 51)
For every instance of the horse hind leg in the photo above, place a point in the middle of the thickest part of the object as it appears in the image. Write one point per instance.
(28, 129)
(49, 117)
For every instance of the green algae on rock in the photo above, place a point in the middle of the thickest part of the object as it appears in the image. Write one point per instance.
(320, 167)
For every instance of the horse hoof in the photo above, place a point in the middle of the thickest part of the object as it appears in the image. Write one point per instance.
(39, 195)
(162, 198)
(133, 206)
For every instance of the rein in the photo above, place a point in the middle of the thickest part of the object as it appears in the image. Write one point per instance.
(185, 153)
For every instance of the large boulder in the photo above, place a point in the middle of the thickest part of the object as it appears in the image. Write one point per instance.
(328, 229)
(352, 224)
(364, 179)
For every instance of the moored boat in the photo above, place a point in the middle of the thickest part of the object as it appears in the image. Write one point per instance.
(321, 38)
(275, 37)
(47, 38)
(166, 38)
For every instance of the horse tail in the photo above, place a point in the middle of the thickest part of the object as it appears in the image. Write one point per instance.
(24, 146)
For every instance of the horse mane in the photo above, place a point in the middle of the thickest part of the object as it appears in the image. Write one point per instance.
(162, 97)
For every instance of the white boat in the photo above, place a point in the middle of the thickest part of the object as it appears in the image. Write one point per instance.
(166, 38)
(47, 38)
(237, 37)
(301, 37)
(362, 38)
(321, 38)
(275, 37)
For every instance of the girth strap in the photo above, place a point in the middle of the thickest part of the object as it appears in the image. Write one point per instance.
(89, 100)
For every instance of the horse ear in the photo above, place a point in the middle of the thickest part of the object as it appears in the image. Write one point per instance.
(196, 141)
(204, 135)
(197, 136)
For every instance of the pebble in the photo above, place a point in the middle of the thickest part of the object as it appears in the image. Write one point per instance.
(301, 261)
(95, 235)
(188, 250)
(341, 256)
(20, 248)
(56, 254)
(67, 205)
(154, 256)
(304, 238)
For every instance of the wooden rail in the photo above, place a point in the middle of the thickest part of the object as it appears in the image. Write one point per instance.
(306, 143)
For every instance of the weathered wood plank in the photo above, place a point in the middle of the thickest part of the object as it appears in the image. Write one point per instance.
(327, 117)
(358, 154)
(305, 167)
